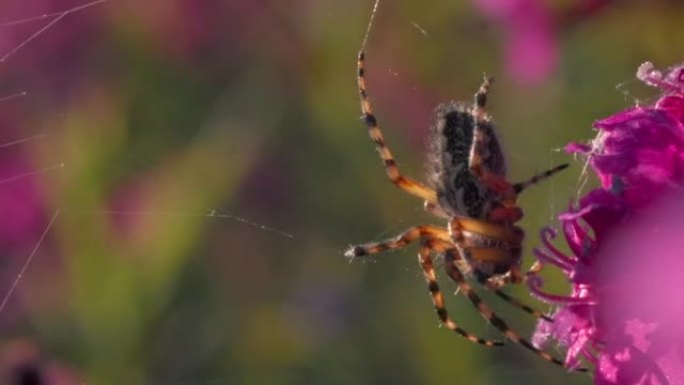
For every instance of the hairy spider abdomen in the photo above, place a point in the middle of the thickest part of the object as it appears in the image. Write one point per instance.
(459, 192)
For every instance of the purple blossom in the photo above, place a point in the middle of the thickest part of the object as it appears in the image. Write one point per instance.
(624, 314)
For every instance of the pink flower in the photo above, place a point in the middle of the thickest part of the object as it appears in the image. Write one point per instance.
(531, 50)
(624, 313)
(21, 202)
(531, 30)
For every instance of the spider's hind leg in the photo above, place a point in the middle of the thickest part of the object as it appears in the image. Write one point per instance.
(514, 276)
(452, 269)
(432, 238)
(489, 285)
(438, 298)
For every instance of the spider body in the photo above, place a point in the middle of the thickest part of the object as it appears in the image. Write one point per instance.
(459, 192)
(462, 196)
(468, 188)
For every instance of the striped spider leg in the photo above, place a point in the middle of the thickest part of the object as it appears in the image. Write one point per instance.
(468, 188)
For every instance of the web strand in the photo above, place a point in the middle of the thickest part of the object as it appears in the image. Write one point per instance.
(57, 17)
(370, 24)
(28, 261)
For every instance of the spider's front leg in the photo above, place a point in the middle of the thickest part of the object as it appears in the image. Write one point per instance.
(494, 284)
(409, 185)
(519, 187)
(400, 241)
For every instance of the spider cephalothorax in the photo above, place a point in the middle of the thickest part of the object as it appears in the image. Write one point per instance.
(469, 189)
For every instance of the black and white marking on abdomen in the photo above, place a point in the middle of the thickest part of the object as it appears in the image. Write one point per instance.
(458, 191)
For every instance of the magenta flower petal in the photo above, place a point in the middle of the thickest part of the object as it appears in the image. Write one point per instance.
(599, 209)
(645, 342)
(561, 259)
(575, 234)
(624, 313)
(642, 148)
(577, 148)
(672, 80)
(674, 105)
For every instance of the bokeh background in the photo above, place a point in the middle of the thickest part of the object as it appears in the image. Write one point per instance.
(182, 178)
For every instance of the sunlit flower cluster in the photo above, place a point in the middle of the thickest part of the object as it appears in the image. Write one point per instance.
(624, 314)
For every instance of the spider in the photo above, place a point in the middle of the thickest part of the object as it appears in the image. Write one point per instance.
(469, 189)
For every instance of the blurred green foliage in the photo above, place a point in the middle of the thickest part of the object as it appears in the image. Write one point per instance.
(186, 128)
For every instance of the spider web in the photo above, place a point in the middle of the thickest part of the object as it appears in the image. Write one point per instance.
(34, 229)
(210, 251)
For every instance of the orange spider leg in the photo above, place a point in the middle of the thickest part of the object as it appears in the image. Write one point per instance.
(407, 184)
(514, 301)
(434, 209)
(489, 284)
(475, 163)
(438, 298)
(508, 192)
(516, 276)
(430, 235)
(488, 229)
(452, 269)
(400, 241)
(508, 211)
